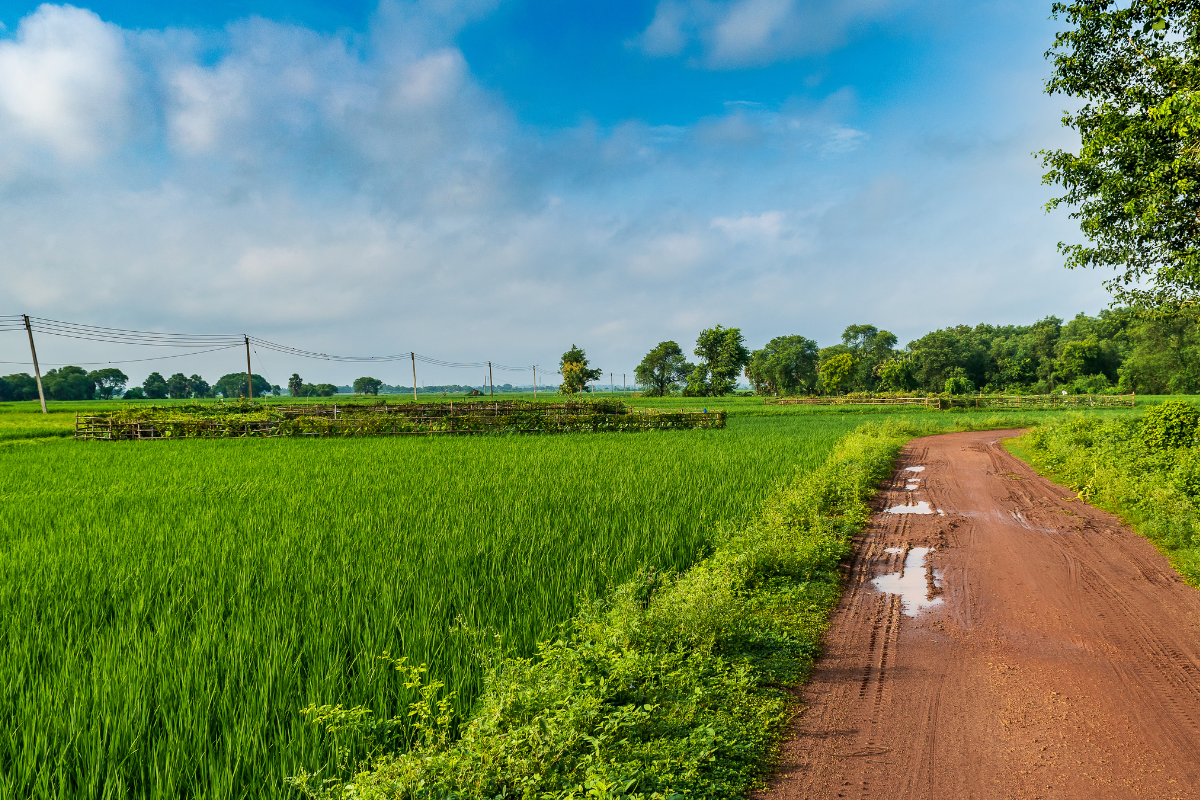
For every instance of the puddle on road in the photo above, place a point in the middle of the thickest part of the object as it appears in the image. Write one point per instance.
(914, 582)
(920, 508)
(914, 469)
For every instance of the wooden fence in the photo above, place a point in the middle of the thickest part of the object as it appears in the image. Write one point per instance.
(382, 419)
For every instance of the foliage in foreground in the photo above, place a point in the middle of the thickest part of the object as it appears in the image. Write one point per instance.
(670, 687)
(1146, 469)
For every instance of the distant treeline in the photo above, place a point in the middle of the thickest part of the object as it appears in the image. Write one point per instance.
(1115, 351)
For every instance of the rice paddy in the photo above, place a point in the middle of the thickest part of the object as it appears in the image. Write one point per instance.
(171, 606)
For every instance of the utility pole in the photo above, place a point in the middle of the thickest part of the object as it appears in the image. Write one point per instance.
(491, 383)
(535, 381)
(612, 389)
(249, 377)
(414, 360)
(624, 387)
(36, 371)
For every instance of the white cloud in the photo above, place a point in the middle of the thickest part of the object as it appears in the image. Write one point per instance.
(741, 33)
(64, 82)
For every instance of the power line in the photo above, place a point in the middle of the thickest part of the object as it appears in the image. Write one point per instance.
(125, 361)
(97, 333)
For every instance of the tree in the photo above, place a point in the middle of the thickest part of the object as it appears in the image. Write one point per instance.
(20, 386)
(662, 370)
(1165, 357)
(723, 356)
(199, 387)
(895, 374)
(837, 371)
(1135, 182)
(68, 383)
(154, 386)
(367, 385)
(295, 384)
(787, 364)
(177, 387)
(136, 393)
(575, 371)
(234, 385)
(108, 382)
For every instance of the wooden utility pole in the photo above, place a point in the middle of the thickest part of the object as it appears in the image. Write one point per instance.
(414, 360)
(491, 383)
(624, 386)
(249, 377)
(37, 372)
(535, 381)
(612, 387)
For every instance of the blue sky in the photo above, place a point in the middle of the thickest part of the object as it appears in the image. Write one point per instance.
(498, 180)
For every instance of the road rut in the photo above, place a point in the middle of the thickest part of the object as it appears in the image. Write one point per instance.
(1062, 661)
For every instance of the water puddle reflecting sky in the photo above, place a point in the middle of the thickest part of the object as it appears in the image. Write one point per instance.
(911, 582)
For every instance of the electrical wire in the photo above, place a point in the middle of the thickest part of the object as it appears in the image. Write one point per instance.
(126, 361)
(96, 333)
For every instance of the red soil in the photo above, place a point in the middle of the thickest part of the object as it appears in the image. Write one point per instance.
(1063, 662)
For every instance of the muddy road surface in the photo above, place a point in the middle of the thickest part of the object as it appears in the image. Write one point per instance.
(999, 638)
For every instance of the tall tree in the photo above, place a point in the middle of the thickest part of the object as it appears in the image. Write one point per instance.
(1134, 184)
(837, 371)
(787, 364)
(367, 385)
(576, 372)
(234, 385)
(723, 355)
(177, 387)
(155, 386)
(295, 384)
(662, 370)
(199, 387)
(108, 381)
(68, 383)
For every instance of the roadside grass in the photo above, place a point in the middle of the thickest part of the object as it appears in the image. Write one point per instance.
(1153, 488)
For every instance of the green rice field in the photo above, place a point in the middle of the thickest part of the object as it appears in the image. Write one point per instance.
(171, 606)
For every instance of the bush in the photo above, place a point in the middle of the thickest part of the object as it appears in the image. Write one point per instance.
(1172, 424)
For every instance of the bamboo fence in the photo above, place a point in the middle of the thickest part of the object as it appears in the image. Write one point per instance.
(382, 419)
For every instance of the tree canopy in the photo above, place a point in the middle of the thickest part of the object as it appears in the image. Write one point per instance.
(1134, 184)
(787, 365)
(576, 372)
(367, 385)
(723, 355)
(662, 370)
(234, 385)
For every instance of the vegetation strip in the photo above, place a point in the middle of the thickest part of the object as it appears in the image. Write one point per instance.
(672, 686)
(1147, 470)
(249, 419)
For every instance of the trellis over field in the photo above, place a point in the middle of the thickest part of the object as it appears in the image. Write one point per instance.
(1027, 402)
(226, 421)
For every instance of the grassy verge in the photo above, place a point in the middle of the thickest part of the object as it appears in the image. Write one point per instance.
(1127, 467)
(673, 686)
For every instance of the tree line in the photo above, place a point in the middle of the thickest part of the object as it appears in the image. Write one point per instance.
(1119, 350)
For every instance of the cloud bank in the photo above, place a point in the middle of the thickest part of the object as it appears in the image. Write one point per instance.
(366, 194)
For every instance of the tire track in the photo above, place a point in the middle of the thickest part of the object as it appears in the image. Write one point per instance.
(1064, 660)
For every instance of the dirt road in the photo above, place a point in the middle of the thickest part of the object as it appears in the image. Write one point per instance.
(1039, 650)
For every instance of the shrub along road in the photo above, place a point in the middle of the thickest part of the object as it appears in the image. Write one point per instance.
(1061, 658)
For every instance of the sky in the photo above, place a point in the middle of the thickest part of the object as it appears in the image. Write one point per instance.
(500, 179)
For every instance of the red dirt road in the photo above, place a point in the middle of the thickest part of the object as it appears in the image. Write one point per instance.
(1063, 660)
